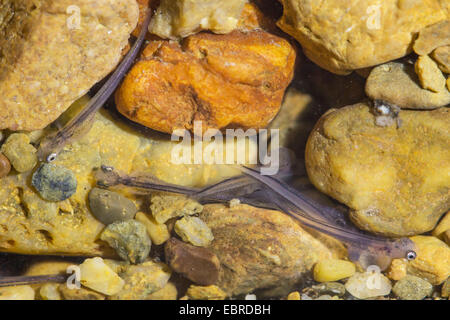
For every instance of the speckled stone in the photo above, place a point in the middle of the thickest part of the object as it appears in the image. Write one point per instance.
(412, 288)
(54, 183)
(130, 240)
(194, 231)
(20, 153)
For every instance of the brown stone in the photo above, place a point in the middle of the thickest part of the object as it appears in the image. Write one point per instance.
(5, 166)
(264, 249)
(197, 264)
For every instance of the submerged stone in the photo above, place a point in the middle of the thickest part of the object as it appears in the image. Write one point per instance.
(109, 207)
(130, 240)
(54, 183)
(392, 178)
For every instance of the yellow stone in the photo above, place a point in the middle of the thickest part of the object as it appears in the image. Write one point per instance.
(158, 232)
(433, 260)
(397, 270)
(79, 294)
(142, 280)
(48, 267)
(20, 152)
(49, 291)
(169, 292)
(395, 180)
(165, 207)
(58, 60)
(333, 270)
(432, 37)
(96, 275)
(205, 293)
(430, 76)
(195, 231)
(443, 226)
(442, 56)
(294, 296)
(17, 293)
(344, 35)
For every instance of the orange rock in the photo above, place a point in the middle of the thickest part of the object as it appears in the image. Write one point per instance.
(237, 80)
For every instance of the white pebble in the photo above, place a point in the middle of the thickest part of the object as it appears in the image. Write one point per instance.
(368, 285)
(234, 202)
(98, 276)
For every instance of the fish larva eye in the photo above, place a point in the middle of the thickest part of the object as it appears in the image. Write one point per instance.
(107, 168)
(411, 255)
(51, 157)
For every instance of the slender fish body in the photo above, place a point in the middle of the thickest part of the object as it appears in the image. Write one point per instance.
(309, 206)
(363, 248)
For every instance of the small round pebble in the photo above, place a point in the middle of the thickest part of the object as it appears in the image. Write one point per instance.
(130, 240)
(54, 183)
(5, 166)
(20, 153)
(368, 285)
(412, 288)
(195, 231)
(108, 207)
(333, 270)
(294, 296)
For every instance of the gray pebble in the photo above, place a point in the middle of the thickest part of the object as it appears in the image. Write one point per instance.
(108, 207)
(130, 240)
(54, 183)
(330, 288)
(412, 288)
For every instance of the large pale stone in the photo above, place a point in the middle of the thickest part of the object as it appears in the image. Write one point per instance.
(344, 35)
(395, 180)
(48, 61)
(263, 249)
